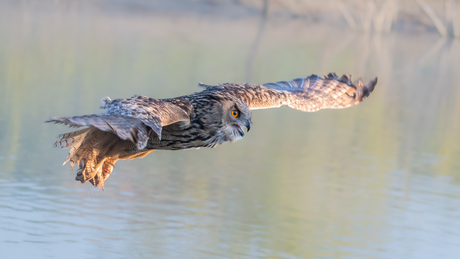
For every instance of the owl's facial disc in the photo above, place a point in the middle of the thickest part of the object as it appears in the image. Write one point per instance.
(237, 116)
(240, 120)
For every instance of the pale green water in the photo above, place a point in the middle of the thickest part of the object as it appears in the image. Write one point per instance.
(380, 180)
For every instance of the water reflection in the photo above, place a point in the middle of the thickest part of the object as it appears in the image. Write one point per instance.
(376, 181)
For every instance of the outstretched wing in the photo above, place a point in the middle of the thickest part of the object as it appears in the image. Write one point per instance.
(154, 113)
(130, 118)
(306, 94)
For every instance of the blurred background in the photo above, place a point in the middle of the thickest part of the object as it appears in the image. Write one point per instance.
(379, 180)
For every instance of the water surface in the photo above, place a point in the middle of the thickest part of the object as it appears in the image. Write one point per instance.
(379, 180)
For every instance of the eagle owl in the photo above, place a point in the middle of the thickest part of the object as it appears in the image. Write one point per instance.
(132, 128)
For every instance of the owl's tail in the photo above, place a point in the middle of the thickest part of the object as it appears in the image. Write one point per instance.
(95, 152)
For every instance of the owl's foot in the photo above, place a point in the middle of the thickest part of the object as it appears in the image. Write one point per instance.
(97, 175)
(103, 173)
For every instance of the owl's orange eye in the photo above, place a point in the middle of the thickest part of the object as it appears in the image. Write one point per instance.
(235, 113)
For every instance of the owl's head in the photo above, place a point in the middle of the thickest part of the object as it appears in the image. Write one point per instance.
(235, 116)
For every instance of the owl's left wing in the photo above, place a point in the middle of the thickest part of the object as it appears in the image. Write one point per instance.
(130, 119)
(306, 94)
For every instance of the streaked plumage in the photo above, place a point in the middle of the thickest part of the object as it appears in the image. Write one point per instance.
(132, 128)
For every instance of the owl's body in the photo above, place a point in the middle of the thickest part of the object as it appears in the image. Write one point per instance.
(132, 128)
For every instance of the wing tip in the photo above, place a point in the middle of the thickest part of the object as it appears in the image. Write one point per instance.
(372, 83)
(367, 89)
(53, 119)
(63, 120)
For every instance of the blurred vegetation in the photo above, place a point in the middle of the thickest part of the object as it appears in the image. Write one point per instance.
(377, 16)
(303, 175)
(368, 16)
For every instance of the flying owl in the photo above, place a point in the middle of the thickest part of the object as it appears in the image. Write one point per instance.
(132, 128)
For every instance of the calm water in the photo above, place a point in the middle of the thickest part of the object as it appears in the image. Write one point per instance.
(380, 180)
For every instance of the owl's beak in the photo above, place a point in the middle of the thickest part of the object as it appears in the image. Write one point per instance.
(248, 125)
(240, 131)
